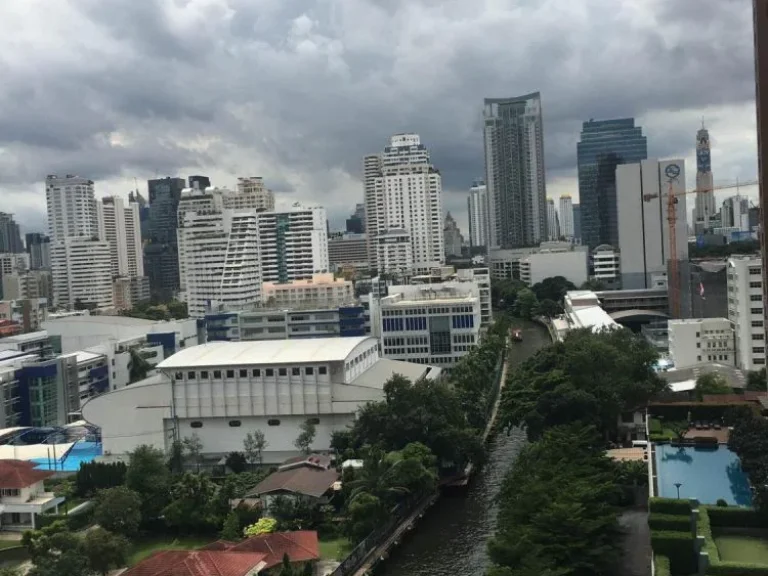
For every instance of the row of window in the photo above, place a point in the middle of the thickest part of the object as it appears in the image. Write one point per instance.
(715, 357)
(235, 424)
(255, 373)
(463, 321)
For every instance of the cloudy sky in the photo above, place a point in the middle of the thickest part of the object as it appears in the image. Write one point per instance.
(297, 91)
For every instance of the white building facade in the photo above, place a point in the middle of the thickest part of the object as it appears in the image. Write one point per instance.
(72, 208)
(606, 265)
(644, 238)
(394, 251)
(745, 311)
(566, 216)
(553, 221)
(572, 264)
(82, 272)
(477, 210)
(698, 340)
(251, 195)
(319, 290)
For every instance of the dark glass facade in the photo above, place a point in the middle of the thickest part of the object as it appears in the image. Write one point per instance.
(604, 145)
(161, 256)
(577, 221)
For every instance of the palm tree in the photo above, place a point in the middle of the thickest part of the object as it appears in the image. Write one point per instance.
(378, 477)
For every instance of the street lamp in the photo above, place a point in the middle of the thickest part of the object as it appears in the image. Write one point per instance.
(677, 485)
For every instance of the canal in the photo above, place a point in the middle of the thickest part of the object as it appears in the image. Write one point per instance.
(451, 540)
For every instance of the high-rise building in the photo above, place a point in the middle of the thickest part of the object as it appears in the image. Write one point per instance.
(553, 222)
(251, 195)
(161, 258)
(477, 211)
(39, 250)
(143, 213)
(566, 216)
(577, 223)
(72, 208)
(347, 250)
(403, 191)
(452, 237)
(199, 182)
(514, 171)
(644, 238)
(604, 145)
(705, 207)
(745, 310)
(82, 273)
(10, 237)
(734, 212)
(120, 226)
(198, 208)
(356, 223)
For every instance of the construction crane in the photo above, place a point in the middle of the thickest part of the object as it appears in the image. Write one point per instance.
(673, 281)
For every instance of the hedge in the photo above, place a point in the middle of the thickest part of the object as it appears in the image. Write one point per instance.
(74, 522)
(737, 569)
(716, 566)
(704, 528)
(662, 565)
(674, 522)
(735, 517)
(654, 426)
(670, 506)
(678, 547)
(659, 437)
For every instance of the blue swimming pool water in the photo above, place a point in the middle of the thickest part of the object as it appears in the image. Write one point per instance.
(80, 452)
(706, 474)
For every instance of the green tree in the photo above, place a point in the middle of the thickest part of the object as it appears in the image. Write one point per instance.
(104, 550)
(365, 513)
(119, 510)
(548, 308)
(193, 498)
(552, 288)
(711, 383)
(149, 477)
(193, 446)
(526, 303)
(263, 526)
(237, 462)
(756, 380)
(177, 310)
(306, 436)
(138, 367)
(176, 458)
(678, 427)
(55, 551)
(231, 530)
(592, 284)
(254, 445)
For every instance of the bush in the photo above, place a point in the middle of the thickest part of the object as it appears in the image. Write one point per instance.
(737, 569)
(673, 522)
(93, 476)
(654, 426)
(662, 565)
(659, 437)
(697, 410)
(735, 517)
(74, 522)
(722, 503)
(678, 547)
(670, 506)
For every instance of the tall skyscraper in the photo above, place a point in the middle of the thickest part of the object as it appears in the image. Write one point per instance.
(644, 238)
(161, 258)
(404, 192)
(477, 210)
(705, 207)
(514, 171)
(566, 216)
(10, 237)
(452, 237)
(39, 250)
(120, 226)
(734, 213)
(604, 145)
(577, 223)
(553, 222)
(71, 207)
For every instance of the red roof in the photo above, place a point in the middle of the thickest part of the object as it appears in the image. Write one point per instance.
(198, 563)
(20, 474)
(301, 546)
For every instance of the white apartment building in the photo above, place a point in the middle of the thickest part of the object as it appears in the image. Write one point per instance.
(553, 222)
(82, 271)
(644, 239)
(566, 216)
(251, 195)
(477, 209)
(428, 324)
(293, 243)
(698, 340)
(28, 285)
(72, 208)
(606, 265)
(570, 263)
(450, 278)
(121, 227)
(404, 192)
(394, 251)
(745, 311)
(319, 290)
(13, 263)
(198, 204)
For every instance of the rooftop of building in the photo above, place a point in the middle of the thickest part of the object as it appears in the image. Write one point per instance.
(696, 321)
(299, 546)
(592, 317)
(312, 481)
(109, 320)
(316, 280)
(221, 562)
(24, 338)
(16, 474)
(264, 352)
(386, 368)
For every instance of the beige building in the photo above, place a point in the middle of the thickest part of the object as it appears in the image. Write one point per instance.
(321, 289)
(251, 195)
(28, 285)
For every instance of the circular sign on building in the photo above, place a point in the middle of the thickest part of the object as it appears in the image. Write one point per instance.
(672, 171)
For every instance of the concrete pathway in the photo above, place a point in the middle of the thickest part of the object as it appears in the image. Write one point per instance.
(636, 544)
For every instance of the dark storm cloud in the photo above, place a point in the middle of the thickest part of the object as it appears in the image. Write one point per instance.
(306, 89)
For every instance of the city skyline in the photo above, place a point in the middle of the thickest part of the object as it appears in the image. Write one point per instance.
(223, 129)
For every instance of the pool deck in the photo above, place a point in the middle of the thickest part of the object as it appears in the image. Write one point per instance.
(722, 435)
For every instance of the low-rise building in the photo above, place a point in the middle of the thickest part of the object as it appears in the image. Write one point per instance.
(28, 286)
(309, 479)
(700, 340)
(606, 266)
(38, 343)
(582, 310)
(28, 314)
(450, 277)
(22, 495)
(222, 390)
(319, 290)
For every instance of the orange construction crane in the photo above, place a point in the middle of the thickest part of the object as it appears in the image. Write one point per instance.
(673, 281)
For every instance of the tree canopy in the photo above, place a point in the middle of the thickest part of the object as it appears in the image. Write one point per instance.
(149, 476)
(118, 510)
(711, 383)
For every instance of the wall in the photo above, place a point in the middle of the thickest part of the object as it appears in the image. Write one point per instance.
(572, 265)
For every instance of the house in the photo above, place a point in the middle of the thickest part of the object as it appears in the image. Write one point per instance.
(300, 546)
(197, 562)
(22, 495)
(307, 477)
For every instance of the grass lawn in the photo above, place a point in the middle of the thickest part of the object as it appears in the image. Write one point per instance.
(143, 547)
(742, 548)
(334, 549)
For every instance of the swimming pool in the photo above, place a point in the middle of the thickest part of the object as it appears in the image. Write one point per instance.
(703, 473)
(81, 452)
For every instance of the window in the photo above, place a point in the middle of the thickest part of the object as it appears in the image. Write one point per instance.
(256, 373)
(9, 492)
(282, 372)
(190, 375)
(243, 373)
(309, 371)
(178, 375)
(295, 371)
(698, 344)
(273, 422)
(196, 424)
(756, 310)
(217, 374)
(698, 334)
(269, 372)
(755, 284)
(322, 370)
(230, 373)
(234, 423)
(204, 374)
(757, 323)
(314, 421)
(756, 298)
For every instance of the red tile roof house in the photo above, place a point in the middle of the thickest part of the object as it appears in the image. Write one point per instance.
(306, 477)
(256, 555)
(22, 495)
